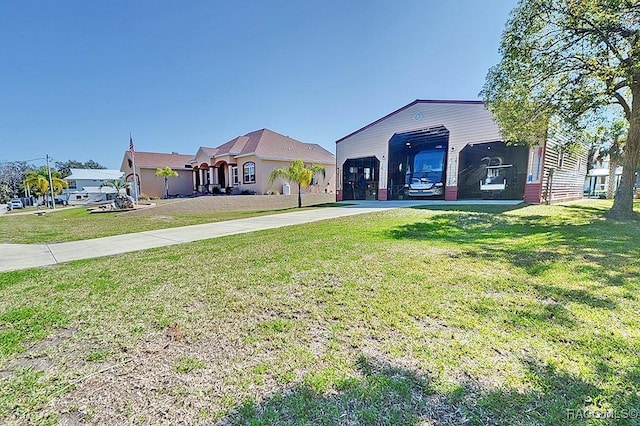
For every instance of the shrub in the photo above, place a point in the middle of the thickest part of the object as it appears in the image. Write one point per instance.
(271, 192)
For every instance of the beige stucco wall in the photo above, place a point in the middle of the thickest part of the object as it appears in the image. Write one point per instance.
(153, 185)
(264, 169)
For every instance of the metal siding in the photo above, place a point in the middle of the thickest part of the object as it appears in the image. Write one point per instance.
(568, 180)
(467, 123)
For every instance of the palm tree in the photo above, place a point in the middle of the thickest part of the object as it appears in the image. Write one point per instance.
(166, 172)
(121, 201)
(116, 184)
(299, 174)
(38, 182)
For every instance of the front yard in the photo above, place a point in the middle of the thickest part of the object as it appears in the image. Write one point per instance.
(414, 316)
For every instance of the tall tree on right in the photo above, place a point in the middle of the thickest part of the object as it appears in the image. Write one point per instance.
(568, 61)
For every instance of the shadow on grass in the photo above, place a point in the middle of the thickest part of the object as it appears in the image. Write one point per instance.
(381, 395)
(475, 208)
(557, 399)
(605, 251)
(388, 395)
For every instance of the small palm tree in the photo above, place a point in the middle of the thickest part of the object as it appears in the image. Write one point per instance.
(121, 201)
(166, 172)
(299, 174)
(38, 182)
(116, 184)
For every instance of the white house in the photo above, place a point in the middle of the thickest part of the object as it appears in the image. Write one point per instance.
(85, 186)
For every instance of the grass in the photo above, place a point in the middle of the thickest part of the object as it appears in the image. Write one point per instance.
(75, 224)
(513, 316)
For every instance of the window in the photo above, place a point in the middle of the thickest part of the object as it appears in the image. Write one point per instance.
(560, 159)
(249, 171)
(234, 175)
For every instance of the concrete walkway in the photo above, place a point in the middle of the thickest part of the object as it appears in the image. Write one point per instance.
(23, 256)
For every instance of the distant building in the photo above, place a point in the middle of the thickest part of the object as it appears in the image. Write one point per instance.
(597, 181)
(451, 150)
(85, 186)
(145, 178)
(245, 163)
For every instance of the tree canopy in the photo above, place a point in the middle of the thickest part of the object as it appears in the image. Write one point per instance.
(298, 174)
(12, 174)
(64, 167)
(38, 181)
(566, 63)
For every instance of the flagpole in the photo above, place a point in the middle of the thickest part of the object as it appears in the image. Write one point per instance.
(133, 162)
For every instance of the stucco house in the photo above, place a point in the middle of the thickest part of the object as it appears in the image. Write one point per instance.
(244, 163)
(146, 180)
(85, 186)
(452, 150)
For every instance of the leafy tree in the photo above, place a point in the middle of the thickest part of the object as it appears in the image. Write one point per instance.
(64, 167)
(5, 193)
(299, 174)
(166, 173)
(12, 174)
(614, 150)
(38, 182)
(565, 62)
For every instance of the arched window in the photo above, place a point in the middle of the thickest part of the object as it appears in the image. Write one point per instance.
(249, 171)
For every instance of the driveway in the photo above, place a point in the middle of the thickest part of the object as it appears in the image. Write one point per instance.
(23, 256)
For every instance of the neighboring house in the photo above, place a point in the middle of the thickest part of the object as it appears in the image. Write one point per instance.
(596, 183)
(85, 186)
(146, 180)
(451, 150)
(244, 164)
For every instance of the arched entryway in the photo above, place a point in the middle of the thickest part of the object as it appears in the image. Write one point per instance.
(221, 173)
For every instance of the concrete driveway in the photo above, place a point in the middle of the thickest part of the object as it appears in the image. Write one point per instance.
(23, 256)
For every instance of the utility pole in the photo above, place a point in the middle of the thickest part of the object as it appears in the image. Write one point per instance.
(53, 200)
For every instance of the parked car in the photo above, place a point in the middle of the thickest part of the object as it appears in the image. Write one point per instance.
(16, 204)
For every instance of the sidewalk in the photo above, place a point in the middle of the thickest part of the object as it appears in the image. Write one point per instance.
(23, 256)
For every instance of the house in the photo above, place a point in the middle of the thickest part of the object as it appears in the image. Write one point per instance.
(452, 150)
(244, 164)
(146, 180)
(85, 186)
(597, 181)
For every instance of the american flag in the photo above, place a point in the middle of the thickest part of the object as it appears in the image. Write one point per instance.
(131, 150)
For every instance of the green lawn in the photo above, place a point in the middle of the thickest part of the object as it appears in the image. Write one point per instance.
(513, 316)
(75, 224)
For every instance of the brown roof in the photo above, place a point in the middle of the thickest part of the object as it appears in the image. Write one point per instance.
(209, 151)
(267, 144)
(159, 159)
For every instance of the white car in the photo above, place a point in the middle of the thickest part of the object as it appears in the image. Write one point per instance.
(16, 204)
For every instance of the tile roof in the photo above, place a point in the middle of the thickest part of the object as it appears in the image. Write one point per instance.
(159, 159)
(267, 144)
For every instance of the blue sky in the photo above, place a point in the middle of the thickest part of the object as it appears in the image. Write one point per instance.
(77, 76)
